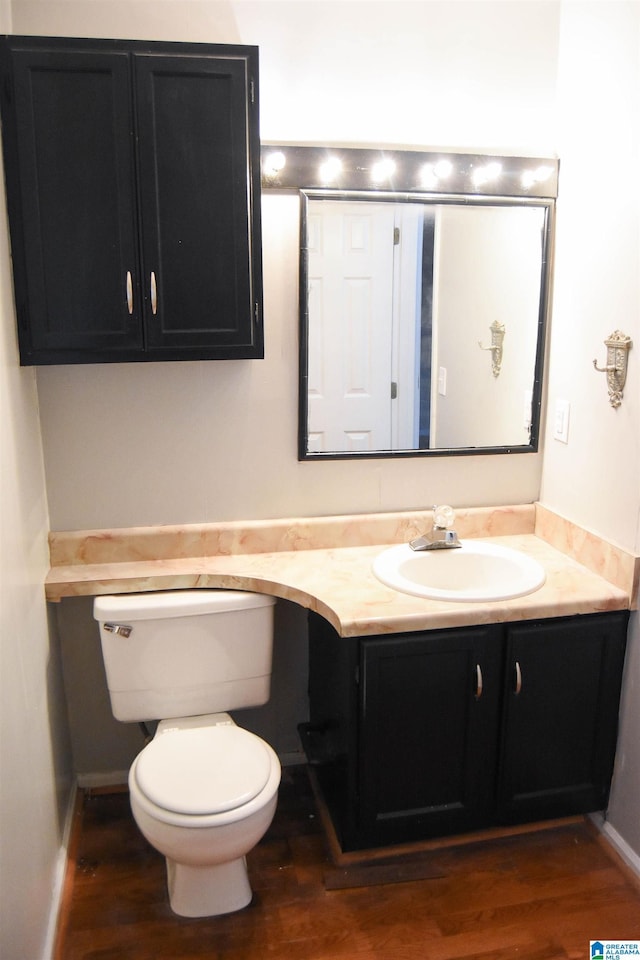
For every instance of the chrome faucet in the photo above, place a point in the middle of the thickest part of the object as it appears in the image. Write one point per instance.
(441, 536)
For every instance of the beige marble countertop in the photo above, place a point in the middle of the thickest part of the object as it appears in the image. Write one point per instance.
(325, 564)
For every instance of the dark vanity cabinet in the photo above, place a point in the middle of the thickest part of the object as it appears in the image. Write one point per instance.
(420, 735)
(133, 188)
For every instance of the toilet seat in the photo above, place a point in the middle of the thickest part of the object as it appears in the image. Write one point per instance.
(202, 771)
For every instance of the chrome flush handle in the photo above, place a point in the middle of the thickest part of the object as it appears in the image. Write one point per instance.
(120, 629)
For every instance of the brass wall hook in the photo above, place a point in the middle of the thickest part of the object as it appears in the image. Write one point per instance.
(497, 338)
(618, 346)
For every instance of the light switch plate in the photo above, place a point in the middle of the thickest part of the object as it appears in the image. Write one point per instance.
(561, 421)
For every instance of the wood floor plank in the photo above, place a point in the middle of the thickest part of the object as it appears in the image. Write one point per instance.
(539, 896)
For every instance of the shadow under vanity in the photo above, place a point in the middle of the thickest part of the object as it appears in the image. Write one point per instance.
(426, 717)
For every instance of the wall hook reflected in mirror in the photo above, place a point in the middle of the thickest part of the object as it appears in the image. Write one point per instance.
(618, 346)
(497, 338)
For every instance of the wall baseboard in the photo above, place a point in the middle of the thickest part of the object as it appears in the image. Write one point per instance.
(111, 778)
(59, 877)
(116, 778)
(620, 845)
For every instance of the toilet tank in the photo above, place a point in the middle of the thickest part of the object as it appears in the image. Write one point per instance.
(185, 653)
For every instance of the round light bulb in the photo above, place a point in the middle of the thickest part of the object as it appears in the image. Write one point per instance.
(443, 169)
(382, 170)
(428, 176)
(274, 163)
(330, 169)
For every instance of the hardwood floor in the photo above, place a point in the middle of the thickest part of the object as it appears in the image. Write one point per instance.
(537, 896)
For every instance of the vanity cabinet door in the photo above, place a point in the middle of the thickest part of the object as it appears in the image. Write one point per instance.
(562, 687)
(429, 715)
(133, 190)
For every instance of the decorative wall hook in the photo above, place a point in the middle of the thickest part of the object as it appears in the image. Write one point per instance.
(497, 337)
(618, 346)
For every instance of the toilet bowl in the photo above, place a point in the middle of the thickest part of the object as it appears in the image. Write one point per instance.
(203, 793)
(204, 790)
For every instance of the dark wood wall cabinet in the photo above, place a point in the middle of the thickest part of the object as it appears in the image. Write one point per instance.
(420, 735)
(133, 188)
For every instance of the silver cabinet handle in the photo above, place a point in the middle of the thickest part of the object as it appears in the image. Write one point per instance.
(518, 686)
(479, 682)
(154, 294)
(129, 292)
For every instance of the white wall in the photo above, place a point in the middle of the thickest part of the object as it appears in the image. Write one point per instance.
(131, 444)
(432, 73)
(595, 478)
(162, 443)
(138, 444)
(487, 268)
(35, 767)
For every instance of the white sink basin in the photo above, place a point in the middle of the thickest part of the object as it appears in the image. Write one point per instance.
(475, 572)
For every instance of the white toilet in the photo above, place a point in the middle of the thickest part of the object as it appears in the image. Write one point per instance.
(203, 791)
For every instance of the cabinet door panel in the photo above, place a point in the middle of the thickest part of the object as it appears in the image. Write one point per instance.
(76, 238)
(428, 732)
(561, 701)
(194, 166)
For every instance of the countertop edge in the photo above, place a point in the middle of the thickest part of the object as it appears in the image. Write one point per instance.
(323, 580)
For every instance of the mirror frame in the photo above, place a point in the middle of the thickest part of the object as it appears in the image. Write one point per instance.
(300, 173)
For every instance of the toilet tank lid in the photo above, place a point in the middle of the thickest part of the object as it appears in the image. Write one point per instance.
(176, 603)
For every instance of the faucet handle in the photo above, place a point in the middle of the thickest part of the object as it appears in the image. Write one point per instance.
(443, 516)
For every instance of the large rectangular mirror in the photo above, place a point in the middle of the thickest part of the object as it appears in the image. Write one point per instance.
(422, 319)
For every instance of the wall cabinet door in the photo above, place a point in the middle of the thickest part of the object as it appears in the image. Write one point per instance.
(429, 717)
(133, 189)
(197, 277)
(562, 687)
(67, 136)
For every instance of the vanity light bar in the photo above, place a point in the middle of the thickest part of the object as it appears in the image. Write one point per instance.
(291, 167)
